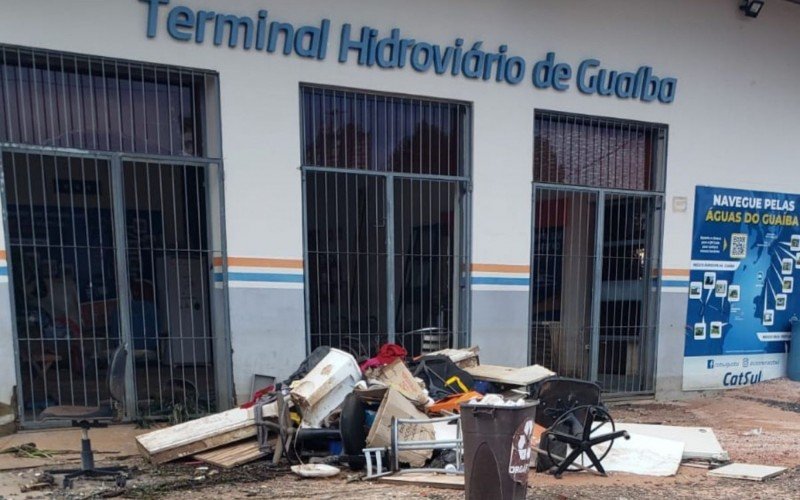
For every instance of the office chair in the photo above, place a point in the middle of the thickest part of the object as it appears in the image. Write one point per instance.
(87, 417)
(575, 421)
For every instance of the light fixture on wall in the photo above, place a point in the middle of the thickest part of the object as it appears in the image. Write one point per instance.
(751, 8)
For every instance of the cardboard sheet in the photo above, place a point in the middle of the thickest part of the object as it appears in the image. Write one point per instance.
(644, 455)
(380, 434)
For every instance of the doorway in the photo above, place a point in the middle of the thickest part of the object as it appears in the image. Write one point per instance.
(596, 249)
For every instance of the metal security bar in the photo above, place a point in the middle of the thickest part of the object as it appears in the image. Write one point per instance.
(61, 249)
(107, 197)
(386, 215)
(596, 249)
(580, 150)
(91, 103)
(169, 263)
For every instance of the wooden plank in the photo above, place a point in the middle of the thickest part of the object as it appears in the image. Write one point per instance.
(463, 358)
(201, 434)
(747, 471)
(507, 375)
(203, 445)
(233, 455)
(431, 479)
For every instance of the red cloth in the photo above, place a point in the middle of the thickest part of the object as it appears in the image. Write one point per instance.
(257, 396)
(386, 354)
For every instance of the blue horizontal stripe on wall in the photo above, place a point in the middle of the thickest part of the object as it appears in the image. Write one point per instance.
(487, 280)
(269, 277)
(674, 283)
(3, 271)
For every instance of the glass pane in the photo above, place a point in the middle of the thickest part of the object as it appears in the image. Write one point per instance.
(73, 101)
(356, 130)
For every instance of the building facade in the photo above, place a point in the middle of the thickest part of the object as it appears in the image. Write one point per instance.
(226, 186)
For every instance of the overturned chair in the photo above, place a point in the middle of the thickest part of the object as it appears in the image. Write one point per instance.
(576, 425)
(374, 456)
(88, 417)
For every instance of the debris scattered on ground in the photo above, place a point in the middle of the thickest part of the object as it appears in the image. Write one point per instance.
(749, 472)
(315, 470)
(322, 418)
(699, 442)
(29, 450)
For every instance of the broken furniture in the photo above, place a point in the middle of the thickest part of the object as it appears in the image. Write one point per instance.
(325, 386)
(87, 417)
(577, 426)
(404, 440)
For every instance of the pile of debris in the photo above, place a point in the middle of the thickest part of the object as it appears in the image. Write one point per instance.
(334, 412)
(398, 418)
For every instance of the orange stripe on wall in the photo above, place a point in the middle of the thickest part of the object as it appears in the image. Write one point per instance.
(500, 268)
(3, 254)
(260, 262)
(675, 272)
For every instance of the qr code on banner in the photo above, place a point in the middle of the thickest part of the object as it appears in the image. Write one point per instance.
(738, 245)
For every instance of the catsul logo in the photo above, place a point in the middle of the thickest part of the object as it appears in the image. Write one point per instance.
(519, 463)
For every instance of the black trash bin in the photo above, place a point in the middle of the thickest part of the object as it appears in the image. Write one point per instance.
(497, 450)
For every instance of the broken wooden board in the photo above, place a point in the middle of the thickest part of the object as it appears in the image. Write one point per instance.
(430, 479)
(396, 405)
(699, 442)
(749, 472)
(233, 455)
(199, 435)
(463, 358)
(512, 376)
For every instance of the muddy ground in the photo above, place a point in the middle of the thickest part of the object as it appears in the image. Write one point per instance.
(758, 425)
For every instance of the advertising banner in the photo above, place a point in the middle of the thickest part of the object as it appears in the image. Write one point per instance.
(742, 291)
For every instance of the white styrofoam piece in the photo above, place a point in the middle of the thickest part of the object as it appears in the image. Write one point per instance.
(325, 387)
(445, 431)
(315, 470)
(643, 455)
(750, 472)
(699, 442)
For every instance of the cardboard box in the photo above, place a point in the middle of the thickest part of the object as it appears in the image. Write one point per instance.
(395, 405)
(397, 376)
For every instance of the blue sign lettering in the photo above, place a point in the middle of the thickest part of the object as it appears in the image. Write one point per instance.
(368, 48)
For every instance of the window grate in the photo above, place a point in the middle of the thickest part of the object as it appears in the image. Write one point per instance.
(596, 248)
(386, 212)
(92, 103)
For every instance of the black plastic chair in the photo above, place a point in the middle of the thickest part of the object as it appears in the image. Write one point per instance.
(88, 417)
(571, 412)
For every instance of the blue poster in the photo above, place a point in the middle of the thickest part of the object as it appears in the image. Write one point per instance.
(743, 282)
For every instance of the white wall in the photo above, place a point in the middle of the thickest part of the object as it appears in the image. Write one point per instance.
(735, 110)
(734, 121)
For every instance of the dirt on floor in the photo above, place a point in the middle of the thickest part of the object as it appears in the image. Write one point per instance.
(756, 425)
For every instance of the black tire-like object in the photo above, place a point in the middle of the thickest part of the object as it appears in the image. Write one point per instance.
(595, 417)
(353, 428)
